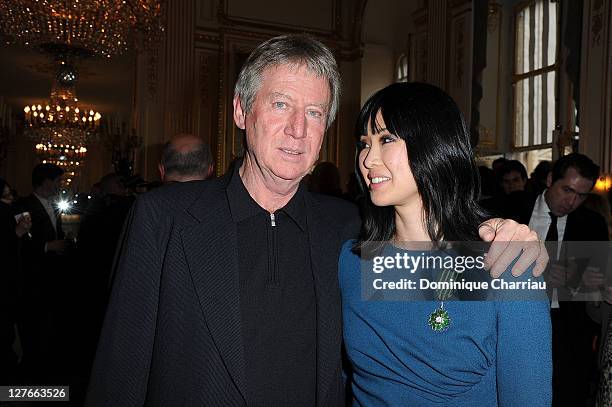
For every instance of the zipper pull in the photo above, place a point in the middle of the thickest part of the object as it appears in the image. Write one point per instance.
(272, 219)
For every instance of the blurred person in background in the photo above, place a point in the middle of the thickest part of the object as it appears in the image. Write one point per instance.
(558, 215)
(99, 234)
(325, 179)
(13, 227)
(512, 200)
(601, 205)
(512, 177)
(185, 158)
(41, 322)
(537, 180)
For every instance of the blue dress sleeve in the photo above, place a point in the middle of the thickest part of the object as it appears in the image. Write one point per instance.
(524, 352)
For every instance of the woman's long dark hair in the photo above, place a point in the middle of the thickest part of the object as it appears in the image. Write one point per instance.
(440, 158)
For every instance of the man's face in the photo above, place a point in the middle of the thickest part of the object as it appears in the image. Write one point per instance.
(286, 124)
(567, 193)
(512, 182)
(51, 187)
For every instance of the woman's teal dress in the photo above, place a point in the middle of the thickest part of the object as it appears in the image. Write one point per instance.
(494, 353)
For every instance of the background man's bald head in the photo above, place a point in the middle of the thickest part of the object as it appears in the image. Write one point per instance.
(185, 158)
(185, 142)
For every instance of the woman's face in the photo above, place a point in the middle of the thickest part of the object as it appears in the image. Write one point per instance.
(383, 162)
(7, 195)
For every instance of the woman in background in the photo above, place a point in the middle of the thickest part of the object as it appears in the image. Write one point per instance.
(416, 162)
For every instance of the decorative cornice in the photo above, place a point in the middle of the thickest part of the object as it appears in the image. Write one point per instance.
(334, 33)
(458, 3)
(207, 37)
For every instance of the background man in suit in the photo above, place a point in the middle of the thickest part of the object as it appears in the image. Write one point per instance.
(558, 215)
(185, 158)
(12, 230)
(226, 290)
(41, 263)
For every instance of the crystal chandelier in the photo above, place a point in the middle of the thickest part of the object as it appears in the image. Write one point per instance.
(80, 28)
(60, 128)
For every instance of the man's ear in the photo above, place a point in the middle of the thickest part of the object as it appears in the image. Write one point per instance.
(239, 114)
(549, 180)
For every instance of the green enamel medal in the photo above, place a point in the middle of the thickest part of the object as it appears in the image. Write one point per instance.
(439, 320)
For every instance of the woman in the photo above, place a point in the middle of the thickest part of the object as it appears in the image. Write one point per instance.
(416, 162)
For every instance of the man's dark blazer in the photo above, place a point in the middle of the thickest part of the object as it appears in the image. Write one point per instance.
(42, 229)
(42, 318)
(38, 266)
(172, 333)
(572, 328)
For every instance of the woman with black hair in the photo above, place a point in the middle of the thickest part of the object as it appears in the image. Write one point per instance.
(416, 163)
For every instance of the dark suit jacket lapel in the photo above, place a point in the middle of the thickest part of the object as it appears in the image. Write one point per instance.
(323, 252)
(40, 214)
(59, 231)
(211, 252)
(573, 228)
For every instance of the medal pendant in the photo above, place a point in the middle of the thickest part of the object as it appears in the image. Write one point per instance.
(439, 320)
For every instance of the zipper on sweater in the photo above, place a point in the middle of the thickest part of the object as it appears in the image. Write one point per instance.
(272, 249)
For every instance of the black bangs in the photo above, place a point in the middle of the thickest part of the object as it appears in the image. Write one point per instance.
(367, 117)
(395, 107)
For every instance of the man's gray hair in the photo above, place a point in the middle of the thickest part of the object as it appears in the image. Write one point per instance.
(197, 161)
(293, 49)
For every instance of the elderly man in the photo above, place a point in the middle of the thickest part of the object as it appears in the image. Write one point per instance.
(185, 158)
(226, 291)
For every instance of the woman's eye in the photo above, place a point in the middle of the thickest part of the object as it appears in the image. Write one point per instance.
(387, 139)
(362, 144)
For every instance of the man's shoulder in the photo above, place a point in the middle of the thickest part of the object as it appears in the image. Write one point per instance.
(172, 201)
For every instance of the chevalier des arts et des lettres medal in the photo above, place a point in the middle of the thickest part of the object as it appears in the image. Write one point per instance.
(439, 320)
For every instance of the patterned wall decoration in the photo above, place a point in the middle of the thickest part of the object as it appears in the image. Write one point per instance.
(597, 21)
(460, 64)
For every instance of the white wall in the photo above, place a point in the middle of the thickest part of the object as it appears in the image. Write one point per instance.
(386, 28)
(377, 68)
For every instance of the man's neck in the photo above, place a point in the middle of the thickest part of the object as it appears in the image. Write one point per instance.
(183, 178)
(269, 191)
(41, 194)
